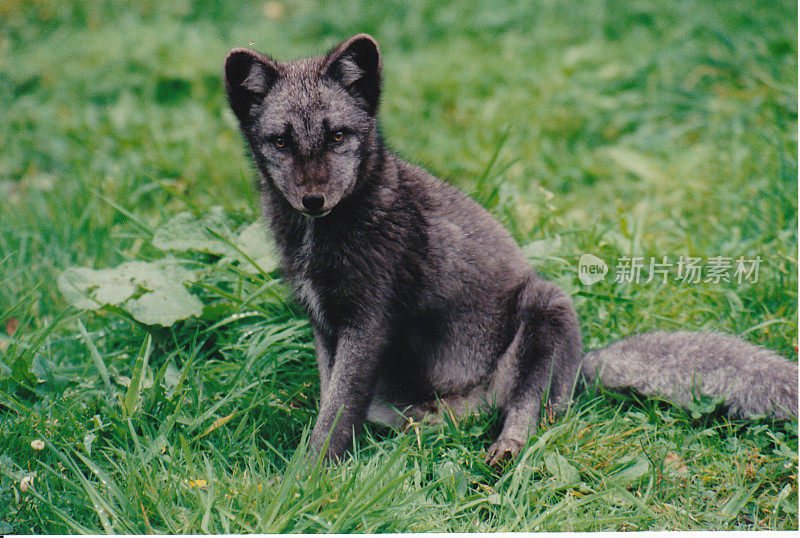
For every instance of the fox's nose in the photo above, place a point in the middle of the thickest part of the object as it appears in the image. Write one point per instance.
(313, 202)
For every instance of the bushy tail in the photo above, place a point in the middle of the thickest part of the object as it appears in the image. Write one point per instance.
(750, 380)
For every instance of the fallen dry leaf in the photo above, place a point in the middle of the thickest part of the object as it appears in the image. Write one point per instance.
(12, 324)
(674, 466)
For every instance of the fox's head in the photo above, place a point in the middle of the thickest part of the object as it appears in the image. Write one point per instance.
(311, 123)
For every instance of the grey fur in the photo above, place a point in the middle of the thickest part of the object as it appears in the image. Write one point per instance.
(420, 301)
(751, 381)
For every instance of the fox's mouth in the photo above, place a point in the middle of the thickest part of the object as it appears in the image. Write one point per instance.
(315, 215)
(313, 205)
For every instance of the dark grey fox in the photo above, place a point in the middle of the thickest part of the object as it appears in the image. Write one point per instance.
(420, 301)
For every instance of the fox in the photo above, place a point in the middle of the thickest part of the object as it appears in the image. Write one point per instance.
(420, 302)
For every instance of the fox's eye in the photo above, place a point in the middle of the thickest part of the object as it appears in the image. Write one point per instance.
(338, 136)
(279, 142)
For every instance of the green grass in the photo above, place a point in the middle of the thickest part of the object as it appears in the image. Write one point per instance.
(614, 128)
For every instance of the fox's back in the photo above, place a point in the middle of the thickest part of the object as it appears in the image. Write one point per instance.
(467, 284)
(473, 252)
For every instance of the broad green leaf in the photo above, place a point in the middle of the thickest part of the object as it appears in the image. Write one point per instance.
(213, 233)
(164, 305)
(20, 371)
(633, 470)
(736, 503)
(88, 439)
(257, 244)
(90, 289)
(564, 472)
(152, 292)
(185, 231)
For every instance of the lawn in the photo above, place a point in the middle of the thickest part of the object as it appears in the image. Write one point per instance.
(626, 130)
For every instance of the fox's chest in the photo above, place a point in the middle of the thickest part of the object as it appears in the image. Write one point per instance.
(323, 300)
(334, 280)
(307, 295)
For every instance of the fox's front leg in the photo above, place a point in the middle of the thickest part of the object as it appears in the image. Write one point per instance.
(350, 386)
(324, 351)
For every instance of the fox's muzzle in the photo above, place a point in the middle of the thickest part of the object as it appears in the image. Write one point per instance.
(313, 203)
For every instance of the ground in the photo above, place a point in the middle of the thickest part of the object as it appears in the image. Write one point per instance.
(625, 130)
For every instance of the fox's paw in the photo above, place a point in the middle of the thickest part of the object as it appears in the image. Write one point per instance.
(502, 450)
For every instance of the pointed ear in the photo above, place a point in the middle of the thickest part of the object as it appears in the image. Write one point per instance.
(249, 76)
(356, 65)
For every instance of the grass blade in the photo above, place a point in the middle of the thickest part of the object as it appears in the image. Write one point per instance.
(98, 360)
(135, 388)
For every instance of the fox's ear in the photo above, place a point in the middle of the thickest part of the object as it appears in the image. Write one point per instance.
(356, 65)
(248, 77)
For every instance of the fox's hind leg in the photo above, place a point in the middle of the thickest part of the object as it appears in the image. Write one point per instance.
(539, 366)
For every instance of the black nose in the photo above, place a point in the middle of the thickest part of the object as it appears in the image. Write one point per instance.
(313, 202)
